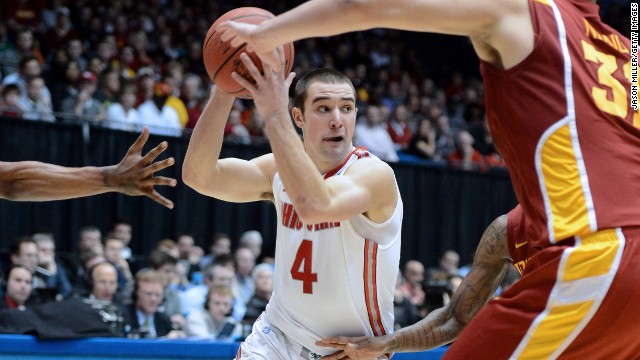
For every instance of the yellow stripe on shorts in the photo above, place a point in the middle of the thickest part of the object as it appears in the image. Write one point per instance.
(585, 274)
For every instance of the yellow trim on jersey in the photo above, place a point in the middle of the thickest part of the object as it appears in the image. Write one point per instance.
(585, 273)
(545, 2)
(563, 184)
(594, 257)
(554, 329)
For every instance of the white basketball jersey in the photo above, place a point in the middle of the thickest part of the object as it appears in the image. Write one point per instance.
(333, 278)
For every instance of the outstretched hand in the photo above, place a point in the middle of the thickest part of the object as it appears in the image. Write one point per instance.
(134, 174)
(355, 348)
(239, 33)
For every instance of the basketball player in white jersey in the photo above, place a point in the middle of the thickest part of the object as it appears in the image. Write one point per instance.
(339, 211)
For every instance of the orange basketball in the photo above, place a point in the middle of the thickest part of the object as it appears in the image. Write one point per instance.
(221, 59)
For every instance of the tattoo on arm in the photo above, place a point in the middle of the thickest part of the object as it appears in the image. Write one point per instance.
(443, 325)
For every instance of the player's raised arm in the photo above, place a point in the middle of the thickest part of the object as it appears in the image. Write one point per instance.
(490, 22)
(231, 179)
(442, 325)
(327, 121)
(134, 175)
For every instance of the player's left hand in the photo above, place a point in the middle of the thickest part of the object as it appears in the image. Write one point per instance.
(270, 91)
(134, 174)
(355, 348)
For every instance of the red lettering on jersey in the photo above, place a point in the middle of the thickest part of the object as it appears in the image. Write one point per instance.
(298, 225)
(291, 220)
(287, 210)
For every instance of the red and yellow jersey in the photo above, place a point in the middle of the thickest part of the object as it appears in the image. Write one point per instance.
(562, 120)
(517, 239)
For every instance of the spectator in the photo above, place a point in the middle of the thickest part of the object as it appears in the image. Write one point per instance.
(405, 313)
(423, 143)
(371, 132)
(414, 278)
(191, 96)
(109, 90)
(52, 272)
(168, 246)
(104, 282)
(10, 101)
(61, 31)
(447, 266)
(122, 114)
(126, 59)
(220, 272)
(212, 321)
(85, 105)
(220, 245)
(113, 246)
(25, 46)
(161, 118)
(399, 127)
(24, 251)
(465, 157)
(234, 130)
(146, 80)
(262, 276)
(121, 228)
(88, 260)
(190, 254)
(245, 260)
(165, 265)
(67, 87)
(445, 144)
(35, 104)
(19, 285)
(253, 240)
(143, 318)
(256, 127)
(75, 51)
(174, 77)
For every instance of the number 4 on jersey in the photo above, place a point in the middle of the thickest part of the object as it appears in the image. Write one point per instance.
(303, 260)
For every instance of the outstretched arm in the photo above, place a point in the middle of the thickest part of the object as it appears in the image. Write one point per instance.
(134, 175)
(500, 23)
(443, 325)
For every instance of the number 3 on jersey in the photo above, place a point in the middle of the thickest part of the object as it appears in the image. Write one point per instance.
(301, 269)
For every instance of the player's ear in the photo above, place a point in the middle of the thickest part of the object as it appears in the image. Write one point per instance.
(297, 116)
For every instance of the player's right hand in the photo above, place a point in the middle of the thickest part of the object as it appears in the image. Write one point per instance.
(355, 348)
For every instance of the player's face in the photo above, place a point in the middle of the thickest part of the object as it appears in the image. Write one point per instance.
(329, 120)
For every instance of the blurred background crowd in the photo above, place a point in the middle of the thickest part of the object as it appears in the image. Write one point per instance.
(124, 64)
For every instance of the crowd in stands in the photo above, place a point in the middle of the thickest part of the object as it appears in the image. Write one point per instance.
(174, 291)
(179, 290)
(132, 64)
(125, 64)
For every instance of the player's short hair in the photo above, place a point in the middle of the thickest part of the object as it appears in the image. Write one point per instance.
(323, 75)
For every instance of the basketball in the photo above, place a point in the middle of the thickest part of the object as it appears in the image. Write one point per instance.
(221, 59)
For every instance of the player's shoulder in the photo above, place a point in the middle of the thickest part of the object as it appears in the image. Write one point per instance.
(266, 163)
(371, 165)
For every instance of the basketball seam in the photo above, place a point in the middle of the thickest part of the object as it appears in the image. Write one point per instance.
(239, 48)
(235, 52)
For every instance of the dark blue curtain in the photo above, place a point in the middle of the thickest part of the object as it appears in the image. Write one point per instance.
(444, 208)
